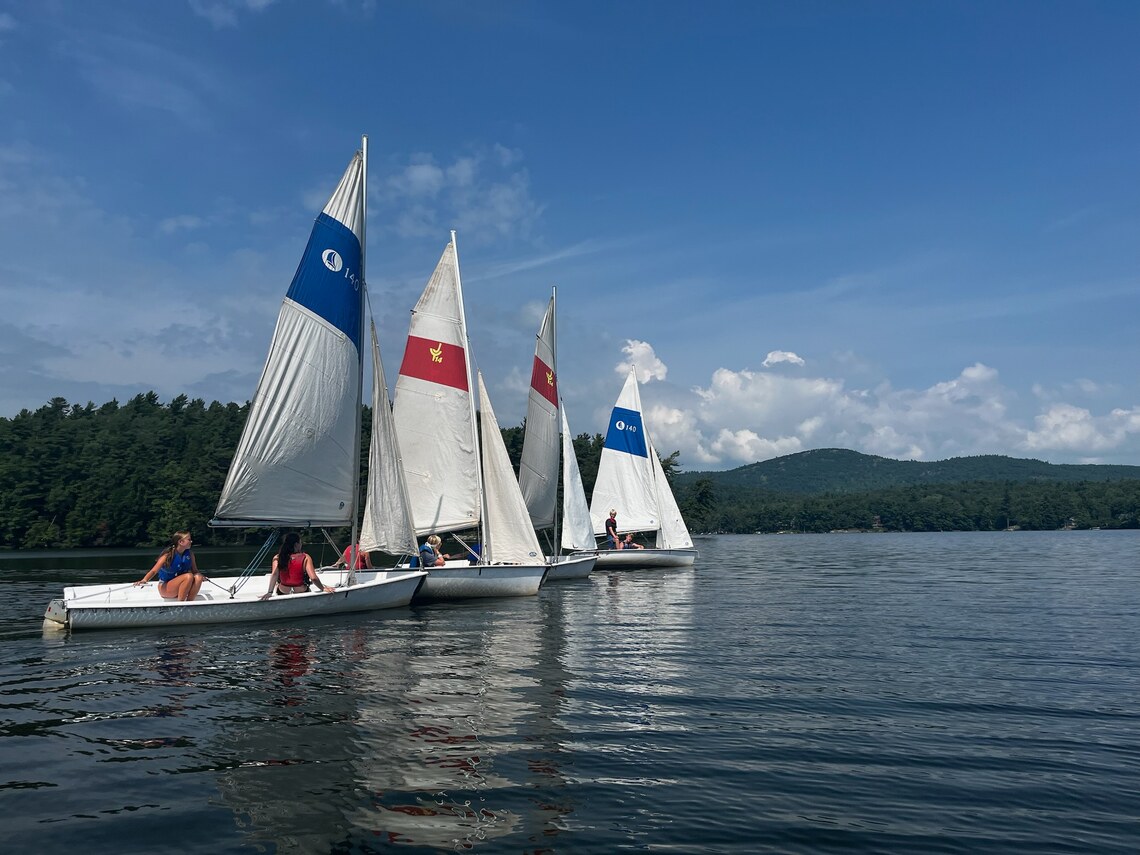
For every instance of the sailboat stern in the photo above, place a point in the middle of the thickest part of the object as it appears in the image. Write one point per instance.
(56, 615)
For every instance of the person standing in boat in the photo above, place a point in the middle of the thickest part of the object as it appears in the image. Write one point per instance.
(293, 569)
(177, 569)
(611, 530)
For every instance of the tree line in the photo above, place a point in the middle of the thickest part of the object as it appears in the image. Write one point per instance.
(130, 474)
(964, 506)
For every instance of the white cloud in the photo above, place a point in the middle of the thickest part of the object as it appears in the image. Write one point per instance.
(1064, 427)
(777, 356)
(744, 416)
(747, 445)
(641, 358)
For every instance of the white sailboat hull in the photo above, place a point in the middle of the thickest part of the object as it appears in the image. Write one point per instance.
(459, 580)
(576, 566)
(126, 606)
(638, 559)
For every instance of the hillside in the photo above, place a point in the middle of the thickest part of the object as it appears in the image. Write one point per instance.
(838, 470)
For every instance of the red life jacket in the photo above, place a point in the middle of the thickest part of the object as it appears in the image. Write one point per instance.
(359, 557)
(294, 575)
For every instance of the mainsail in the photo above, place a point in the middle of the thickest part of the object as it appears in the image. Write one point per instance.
(538, 468)
(297, 461)
(433, 409)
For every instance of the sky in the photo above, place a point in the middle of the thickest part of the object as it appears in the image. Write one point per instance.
(908, 229)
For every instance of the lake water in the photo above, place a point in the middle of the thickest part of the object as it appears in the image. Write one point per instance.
(792, 694)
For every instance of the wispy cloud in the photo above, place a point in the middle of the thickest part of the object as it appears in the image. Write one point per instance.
(225, 13)
(140, 75)
(485, 194)
(183, 222)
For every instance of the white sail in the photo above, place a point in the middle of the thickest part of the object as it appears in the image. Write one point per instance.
(673, 534)
(577, 530)
(387, 522)
(433, 409)
(296, 463)
(538, 468)
(625, 480)
(508, 537)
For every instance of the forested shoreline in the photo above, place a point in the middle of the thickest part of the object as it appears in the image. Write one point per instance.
(127, 475)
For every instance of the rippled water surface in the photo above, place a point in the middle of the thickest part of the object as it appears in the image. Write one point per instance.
(836, 693)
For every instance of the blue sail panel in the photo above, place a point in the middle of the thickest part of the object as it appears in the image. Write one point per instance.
(328, 279)
(626, 433)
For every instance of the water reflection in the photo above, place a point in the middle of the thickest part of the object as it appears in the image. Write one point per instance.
(290, 661)
(445, 728)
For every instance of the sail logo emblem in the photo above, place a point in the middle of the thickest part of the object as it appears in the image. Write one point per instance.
(332, 260)
(621, 425)
(550, 378)
(436, 352)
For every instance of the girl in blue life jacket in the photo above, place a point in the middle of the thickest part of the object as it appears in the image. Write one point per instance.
(177, 569)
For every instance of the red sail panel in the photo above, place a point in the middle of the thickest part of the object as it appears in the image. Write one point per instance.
(543, 381)
(435, 362)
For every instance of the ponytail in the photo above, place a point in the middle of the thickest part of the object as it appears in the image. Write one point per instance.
(173, 547)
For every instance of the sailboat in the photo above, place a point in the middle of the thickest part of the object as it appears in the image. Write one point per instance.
(297, 462)
(454, 484)
(631, 480)
(546, 435)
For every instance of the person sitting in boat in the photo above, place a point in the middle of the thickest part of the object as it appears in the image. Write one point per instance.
(177, 569)
(363, 559)
(611, 530)
(629, 544)
(430, 556)
(293, 569)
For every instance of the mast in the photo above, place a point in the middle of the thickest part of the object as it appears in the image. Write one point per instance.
(350, 570)
(556, 545)
(484, 532)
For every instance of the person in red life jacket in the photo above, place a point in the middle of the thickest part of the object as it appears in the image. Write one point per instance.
(611, 530)
(177, 569)
(363, 560)
(291, 568)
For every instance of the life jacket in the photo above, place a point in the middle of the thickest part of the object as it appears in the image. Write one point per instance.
(179, 564)
(359, 557)
(294, 575)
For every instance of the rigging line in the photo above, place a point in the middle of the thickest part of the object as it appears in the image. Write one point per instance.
(110, 590)
(254, 564)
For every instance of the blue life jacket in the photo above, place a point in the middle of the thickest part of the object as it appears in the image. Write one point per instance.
(179, 564)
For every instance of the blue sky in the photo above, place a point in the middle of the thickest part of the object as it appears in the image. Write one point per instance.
(909, 229)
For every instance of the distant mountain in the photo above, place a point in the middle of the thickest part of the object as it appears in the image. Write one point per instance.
(838, 470)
